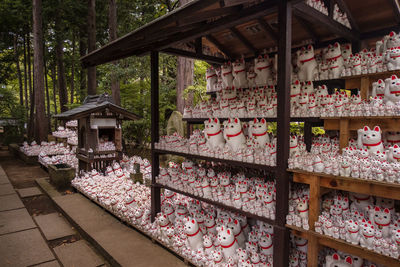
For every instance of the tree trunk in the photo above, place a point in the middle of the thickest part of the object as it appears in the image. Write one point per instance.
(40, 118)
(47, 95)
(91, 45)
(31, 121)
(82, 74)
(62, 88)
(73, 69)
(54, 80)
(184, 77)
(16, 54)
(25, 78)
(112, 23)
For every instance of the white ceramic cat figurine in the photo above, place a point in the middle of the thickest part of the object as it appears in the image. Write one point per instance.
(226, 75)
(193, 233)
(265, 244)
(213, 133)
(239, 74)
(262, 67)
(336, 261)
(392, 90)
(259, 132)
(367, 236)
(212, 78)
(234, 135)
(393, 59)
(308, 67)
(381, 219)
(370, 139)
(352, 235)
(228, 242)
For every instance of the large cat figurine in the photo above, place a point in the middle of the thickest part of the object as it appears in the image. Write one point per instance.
(370, 139)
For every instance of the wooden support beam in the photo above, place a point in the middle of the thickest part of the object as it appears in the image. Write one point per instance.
(209, 14)
(268, 29)
(344, 8)
(243, 40)
(308, 28)
(314, 16)
(281, 237)
(331, 8)
(396, 9)
(198, 46)
(220, 46)
(228, 3)
(179, 52)
(155, 129)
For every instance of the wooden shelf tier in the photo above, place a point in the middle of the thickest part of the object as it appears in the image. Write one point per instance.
(315, 120)
(218, 204)
(338, 244)
(169, 248)
(361, 186)
(226, 161)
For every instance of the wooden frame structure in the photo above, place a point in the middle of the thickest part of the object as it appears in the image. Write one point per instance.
(223, 26)
(96, 114)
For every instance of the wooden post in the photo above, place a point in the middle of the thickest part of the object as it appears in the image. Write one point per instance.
(308, 134)
(281, 236)
(155, 117)
(313, 205)
(312, 251)
(364, 88)
(344, 133)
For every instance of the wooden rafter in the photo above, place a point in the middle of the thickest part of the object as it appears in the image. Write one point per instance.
(308, 28)
(344, 8)
(220, 46)
(198, 45)
(228, 3)
(243, 40)
(268, 29)
(396, 9)
(310, 14)
(209, 14)
(179, 52)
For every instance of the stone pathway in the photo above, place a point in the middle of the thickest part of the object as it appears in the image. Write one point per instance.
(36, 235)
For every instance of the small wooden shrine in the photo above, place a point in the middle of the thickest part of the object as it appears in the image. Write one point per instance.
(99, 131)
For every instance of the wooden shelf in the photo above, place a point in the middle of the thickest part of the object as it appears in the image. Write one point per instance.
(220, 205)
(297, 119)
(344, 246)
(226, 161)
(362, 186)
(141, 231)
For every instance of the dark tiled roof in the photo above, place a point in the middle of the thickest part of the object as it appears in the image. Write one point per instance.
(95, 103)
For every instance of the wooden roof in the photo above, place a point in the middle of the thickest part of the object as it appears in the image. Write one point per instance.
(235, 28)
(93, 104)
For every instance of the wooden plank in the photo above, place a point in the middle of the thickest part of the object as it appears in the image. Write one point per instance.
(209, 14)
(396, 10)
(362, 186)
(179, 52)
(344, 133)
(356, 250)
(386, 123)
(243, 40)
(298, 231)
(312, 251)
(268, 29)
(313, 204)
(314, 16)
(364, 88)
(307, 27)
(220, 46)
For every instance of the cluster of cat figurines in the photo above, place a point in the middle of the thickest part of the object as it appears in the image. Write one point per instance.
(233, 140)
(372, 223)
(372, 156)
(254, 195)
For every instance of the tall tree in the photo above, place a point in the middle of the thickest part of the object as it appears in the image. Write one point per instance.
(16, 55)
(92, 84)
(25, 76)
(73, 69)
(112, 23)
(31, 122)
(184, 76)
(40, 117)
(62, 88)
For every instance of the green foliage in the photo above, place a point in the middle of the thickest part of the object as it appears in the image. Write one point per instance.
(199, 88)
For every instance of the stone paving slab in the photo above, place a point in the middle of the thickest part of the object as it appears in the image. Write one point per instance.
(4, 179)
(54, 226)
(6, 189)
(121, 243)
(15, 220)
(29, 192)
(49, 264)
(23, 249)
(10, 202)
(77, 254)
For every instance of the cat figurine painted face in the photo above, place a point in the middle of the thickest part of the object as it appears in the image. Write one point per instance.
(381, 218)
(212, 78)
(234, 135)
(336, 261)
(308, 67)
(392, 90)
(370, 139)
